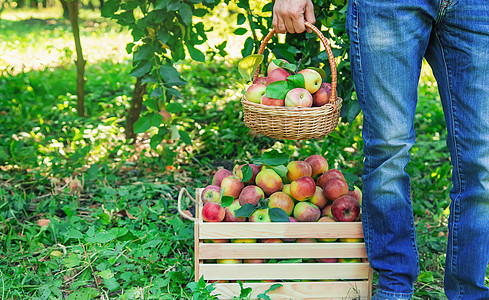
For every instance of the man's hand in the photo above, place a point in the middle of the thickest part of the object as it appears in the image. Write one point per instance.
(290, 15)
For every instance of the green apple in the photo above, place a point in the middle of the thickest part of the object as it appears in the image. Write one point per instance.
(312, 80)
(260, 215)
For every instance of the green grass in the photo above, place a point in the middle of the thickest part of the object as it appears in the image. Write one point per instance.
(113, 233)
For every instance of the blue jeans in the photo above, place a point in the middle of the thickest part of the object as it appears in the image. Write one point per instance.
(389, 39)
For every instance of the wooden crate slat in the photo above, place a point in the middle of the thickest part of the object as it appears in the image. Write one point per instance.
(285, 271)
(281, 250)
(244, 230)
(336, 290)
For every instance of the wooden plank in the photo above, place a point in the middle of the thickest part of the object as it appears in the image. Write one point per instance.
(336, 290)
(243, 230)
(285, 271)
(281, 250)
(370, 282)
(198, 211)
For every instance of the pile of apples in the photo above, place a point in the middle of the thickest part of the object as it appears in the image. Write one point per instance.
(290, 89)
(305, 191)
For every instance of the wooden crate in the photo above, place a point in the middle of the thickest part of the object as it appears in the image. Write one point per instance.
(299, 280)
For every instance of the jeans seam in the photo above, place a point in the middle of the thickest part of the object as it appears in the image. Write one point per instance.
(356, 43)
(457, 162)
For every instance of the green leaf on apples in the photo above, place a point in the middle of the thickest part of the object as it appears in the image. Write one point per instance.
(277, 89)
(274, 158)
(281, 170)
(246, 210)
(247, 172)
(297, 81)
(284, 65)
(226, 201)
(248, 65)
(320, 71)
(278, 215)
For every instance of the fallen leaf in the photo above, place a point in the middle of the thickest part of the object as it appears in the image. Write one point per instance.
(43, 222)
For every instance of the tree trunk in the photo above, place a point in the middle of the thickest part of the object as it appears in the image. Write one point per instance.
(135, 109)
(101, 4)
(66, 13)
(80, 62)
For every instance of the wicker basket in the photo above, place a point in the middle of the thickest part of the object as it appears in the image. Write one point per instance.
(295, 123)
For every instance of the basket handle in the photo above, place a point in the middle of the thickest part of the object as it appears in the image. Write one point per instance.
(179, 204)
(332, 62)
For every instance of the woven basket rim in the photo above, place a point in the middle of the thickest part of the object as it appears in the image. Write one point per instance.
(326, 106)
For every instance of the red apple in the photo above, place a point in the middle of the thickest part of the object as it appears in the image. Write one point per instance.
(213, 212)
(271, 241)
(345, 209)
(298, 97)
(318, 163)
(312, 80)
(260, 215)
(297, 169)
(330, 174)
(269, 181)
(306, 212)
(281, 200)
(220, 175)
(319, 199)
(327, 260)
(277, 75)
(265, 100)
(211, 193)
(335, 188)
(306, 240)
(251, 194)
(255, 91)
(321, 96)
(303, 188)
(232, 186)
(230, 211)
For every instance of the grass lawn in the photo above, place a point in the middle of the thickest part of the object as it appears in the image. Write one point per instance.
(84, 215)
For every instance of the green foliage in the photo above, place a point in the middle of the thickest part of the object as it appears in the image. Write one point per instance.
(163, 34)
